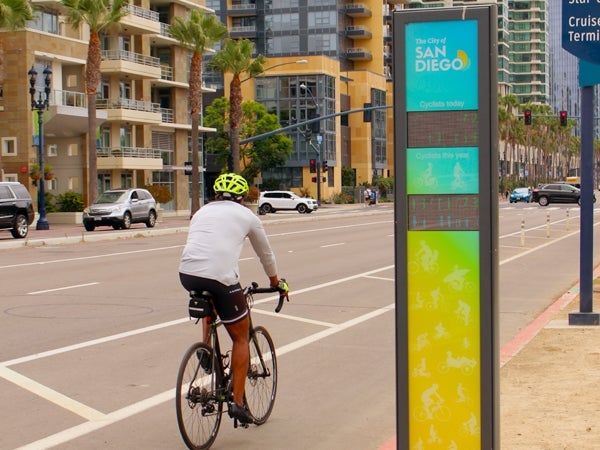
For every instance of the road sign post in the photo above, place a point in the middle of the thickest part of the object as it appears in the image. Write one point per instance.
(581, 37)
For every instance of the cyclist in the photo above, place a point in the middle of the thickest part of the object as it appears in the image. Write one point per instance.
(210, 262)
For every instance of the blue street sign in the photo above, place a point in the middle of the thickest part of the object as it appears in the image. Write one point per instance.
(581, 29)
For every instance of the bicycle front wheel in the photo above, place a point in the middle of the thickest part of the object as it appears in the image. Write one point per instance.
(198, 403)
(261, 382)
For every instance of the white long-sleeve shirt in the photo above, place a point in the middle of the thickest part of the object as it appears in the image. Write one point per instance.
(216, 239)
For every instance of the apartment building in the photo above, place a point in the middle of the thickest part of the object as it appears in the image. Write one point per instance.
(143, 121)
(323, 57)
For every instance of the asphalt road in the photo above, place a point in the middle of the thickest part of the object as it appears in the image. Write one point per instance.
(93, 333)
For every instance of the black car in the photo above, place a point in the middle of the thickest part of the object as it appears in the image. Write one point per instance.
(16, 209)
(557, 193)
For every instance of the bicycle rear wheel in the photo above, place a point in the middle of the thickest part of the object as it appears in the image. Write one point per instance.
(199, 406)
(261, 382)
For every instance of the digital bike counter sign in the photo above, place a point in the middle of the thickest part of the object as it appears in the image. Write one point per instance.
(445, 108)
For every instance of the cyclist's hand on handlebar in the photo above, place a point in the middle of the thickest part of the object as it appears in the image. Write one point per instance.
(282, 286)
(283, 289)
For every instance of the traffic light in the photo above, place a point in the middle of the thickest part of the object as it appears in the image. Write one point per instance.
(313, 166)
(188, 167)
(325, 168)
(563, 118)
(527, 117)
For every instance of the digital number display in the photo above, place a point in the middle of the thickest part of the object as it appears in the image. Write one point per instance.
(443, 129)
(443, 212)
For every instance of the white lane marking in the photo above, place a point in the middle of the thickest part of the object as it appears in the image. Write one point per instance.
(539, 247)
(51, 395)
(136, 408)
(98, 341)
(333, 245)
(87, 427)
(83, 258)
(296, 318)
(63, 288)
(381, 278)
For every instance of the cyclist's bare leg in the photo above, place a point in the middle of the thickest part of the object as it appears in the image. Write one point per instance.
(240, 356)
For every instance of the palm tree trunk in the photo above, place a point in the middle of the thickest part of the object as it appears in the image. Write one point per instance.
(235, 120)
(92, 75)
(92, 155)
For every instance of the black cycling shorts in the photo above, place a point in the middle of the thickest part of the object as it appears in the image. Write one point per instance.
(230, 301)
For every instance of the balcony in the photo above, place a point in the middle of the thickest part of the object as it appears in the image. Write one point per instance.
(132, 111)
(359, 54)
(357, 10)
(136, 65)
(357, 32)
(248, 31)
(164, 36)
(131, 158)
(67, 114)
(139, 21)
(167, 78)
(242, 9)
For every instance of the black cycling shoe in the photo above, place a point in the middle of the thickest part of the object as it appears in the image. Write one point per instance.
(240, 413)
(205, 362)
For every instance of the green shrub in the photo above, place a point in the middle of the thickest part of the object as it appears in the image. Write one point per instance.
(70, 202)
(50, 202)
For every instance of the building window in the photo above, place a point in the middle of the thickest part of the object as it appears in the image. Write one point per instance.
(9, 146)
(11, 177)
(52, 185)
(73, 183)
(73, 150)
(44, 21)
(52, 150)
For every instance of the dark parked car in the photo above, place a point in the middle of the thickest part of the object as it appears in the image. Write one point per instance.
(16, 209)
(557, 193)
(120, 208)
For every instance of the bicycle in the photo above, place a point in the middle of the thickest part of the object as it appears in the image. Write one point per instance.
(204, 381)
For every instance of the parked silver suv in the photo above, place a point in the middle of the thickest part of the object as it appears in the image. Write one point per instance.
(120, 208)
(16, 209)
(272, 201)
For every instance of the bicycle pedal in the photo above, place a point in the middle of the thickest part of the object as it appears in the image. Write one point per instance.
(237, 423)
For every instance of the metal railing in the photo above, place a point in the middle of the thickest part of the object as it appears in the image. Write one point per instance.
(166, 72)
(126, 103)
(68, 98)
(237, 6)
(167, 115)
(124, 55)
(141, 12)
(165, 30)
(128, 152)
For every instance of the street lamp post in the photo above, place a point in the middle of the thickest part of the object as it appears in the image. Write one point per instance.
(40, 105)
(319, 141)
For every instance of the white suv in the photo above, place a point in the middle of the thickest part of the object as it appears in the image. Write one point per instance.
(272, 201)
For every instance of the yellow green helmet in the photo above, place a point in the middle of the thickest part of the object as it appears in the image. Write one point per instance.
(231, 183)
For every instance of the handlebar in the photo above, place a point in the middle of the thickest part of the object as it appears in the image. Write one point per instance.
(283, 294)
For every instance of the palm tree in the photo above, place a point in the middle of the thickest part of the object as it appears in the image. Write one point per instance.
(99, 15)
(13, 15)
(199, 32)
(236, 57)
